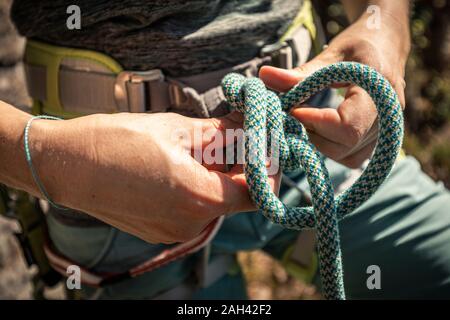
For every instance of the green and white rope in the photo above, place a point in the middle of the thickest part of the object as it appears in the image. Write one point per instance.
(266, 120)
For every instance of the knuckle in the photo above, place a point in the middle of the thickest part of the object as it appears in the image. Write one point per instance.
(366, 52)
(354, 135)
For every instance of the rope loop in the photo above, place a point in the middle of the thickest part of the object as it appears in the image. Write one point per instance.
(267, 123)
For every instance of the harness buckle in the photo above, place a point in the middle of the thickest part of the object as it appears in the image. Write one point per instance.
(132, 90)
(282, 54)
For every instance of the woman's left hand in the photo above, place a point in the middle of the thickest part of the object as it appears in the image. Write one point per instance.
(346, 134)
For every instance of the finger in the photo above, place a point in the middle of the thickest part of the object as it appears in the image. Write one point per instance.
(342, 154)
(234, 120)
(232, 190)
(355, 160)
(328, 148)
(214, 160)
(346, 125)
(326, 122)
(279, 79)
(358, 113)
(221, 167)
(399, 87)
(215, 139)
(217, 130)
(283, 79)
(237, 173)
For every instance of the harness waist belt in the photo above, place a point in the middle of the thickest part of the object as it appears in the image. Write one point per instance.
(69, 82)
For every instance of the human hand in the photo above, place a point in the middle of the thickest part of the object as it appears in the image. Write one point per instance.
(348, 134)
(134, 171)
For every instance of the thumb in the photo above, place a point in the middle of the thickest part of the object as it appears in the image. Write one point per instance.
(283, 79)
(234, 188)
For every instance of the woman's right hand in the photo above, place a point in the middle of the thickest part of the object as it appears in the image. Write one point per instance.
(134, 172)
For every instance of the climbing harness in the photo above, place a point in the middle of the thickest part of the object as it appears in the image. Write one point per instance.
(20, 206)
(65, 83)
(266, 119)
(44, 69)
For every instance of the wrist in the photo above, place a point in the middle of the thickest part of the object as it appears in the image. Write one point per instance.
(384, 48)
(45, 155)
(392, 32)
(61, 158)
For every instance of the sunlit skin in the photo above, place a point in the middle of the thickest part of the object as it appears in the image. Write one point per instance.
(342, 134)
(120, 168)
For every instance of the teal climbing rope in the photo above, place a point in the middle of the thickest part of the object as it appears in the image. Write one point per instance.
(267, 122)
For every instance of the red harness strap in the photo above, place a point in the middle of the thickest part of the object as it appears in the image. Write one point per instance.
(60, 263)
